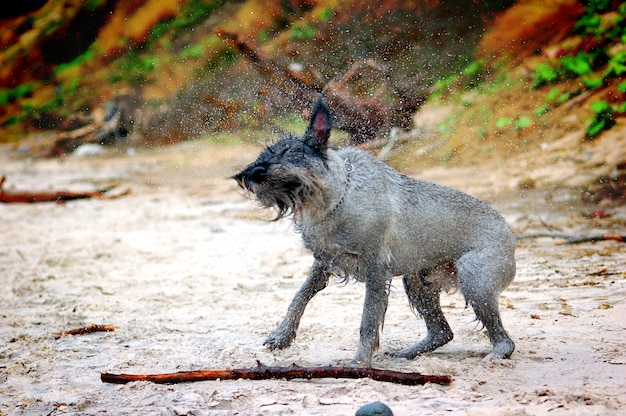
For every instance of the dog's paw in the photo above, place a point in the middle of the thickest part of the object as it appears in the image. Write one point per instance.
(361, 360)
(501, 351)
(404, 353)
(278, 340)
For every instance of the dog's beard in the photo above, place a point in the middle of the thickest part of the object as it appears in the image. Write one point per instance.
(289, 191)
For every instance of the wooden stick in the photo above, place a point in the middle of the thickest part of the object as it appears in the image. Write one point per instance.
(573, 239)
(263, 372)
(594, 238)
(58, 196)
(86, 330)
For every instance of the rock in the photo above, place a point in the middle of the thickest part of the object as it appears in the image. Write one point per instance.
(374, 409)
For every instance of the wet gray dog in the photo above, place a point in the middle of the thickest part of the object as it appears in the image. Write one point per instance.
(364, 220)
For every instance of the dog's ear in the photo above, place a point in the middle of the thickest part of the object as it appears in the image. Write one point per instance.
(318, 131)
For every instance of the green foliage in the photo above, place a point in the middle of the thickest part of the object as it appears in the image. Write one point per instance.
(593, 82)
(79, 60)
(445, 83)
(302, 32)
(64, 94)
(10, 95)
(503, 122)
(448, 126)
(160, 29)
(520, 123)
(590, 23)
(578, 65)
(601, 21)
(93, 4)
(568, 66)
(192, 51)
(135, 68)
(617, 65)
(523, 122)
(473, 73)
(602, 119)
(224, 59)
(195, 12)
(326, 14)
(620, 108)
(564, 97)
(469, 77)
(553, 94)
(544, 74)
(541, 110)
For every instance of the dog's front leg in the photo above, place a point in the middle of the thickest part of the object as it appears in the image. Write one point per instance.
(286, 331)
(376, 297)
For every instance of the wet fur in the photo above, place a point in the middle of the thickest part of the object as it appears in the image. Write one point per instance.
(364, 220)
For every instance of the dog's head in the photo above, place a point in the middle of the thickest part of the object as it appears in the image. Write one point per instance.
(286, 175)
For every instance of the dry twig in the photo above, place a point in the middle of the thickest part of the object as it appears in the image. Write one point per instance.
(573, 239)
(86, 330)
(263, 372)
(55, 196)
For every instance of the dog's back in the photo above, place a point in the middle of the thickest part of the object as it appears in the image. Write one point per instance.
(417, 223)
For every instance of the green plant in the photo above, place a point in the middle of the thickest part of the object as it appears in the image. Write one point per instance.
(577, 65)
(541, 110)
(193, 13)
(602, 118)
(522, 122)
(617, 65)
(590, 22)
(544, 74)
(302, 32)
(473, 73)
(77, 61)
(553, 94)
(593, 82)
(503, 122)
(135, 68)
(564, 97)
(10, 95)
(192, 51)
(326, 14)
(160, 29)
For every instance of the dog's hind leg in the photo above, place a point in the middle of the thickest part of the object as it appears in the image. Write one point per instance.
(424, 298)
(483, 274)
(283, 336)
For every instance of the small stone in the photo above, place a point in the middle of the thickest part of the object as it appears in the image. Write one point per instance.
(374, 409)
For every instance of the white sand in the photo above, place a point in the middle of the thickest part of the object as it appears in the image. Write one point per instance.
(193, 277)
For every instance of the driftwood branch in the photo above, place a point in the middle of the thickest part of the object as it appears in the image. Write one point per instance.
(263, 372)
(55, 196)
(364, 117)
(86, 330)
(108, 127)
(574, 239)
(594, 238)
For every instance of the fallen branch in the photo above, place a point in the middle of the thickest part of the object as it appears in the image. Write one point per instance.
(109, 127)
(594, 238)
(58, 196)
(573, 239)
(364, 116)
(86, 330)
(263, 372)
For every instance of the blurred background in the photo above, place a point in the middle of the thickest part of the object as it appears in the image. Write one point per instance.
(476, 78)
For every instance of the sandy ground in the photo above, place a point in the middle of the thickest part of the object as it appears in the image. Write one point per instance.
(193, 277)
